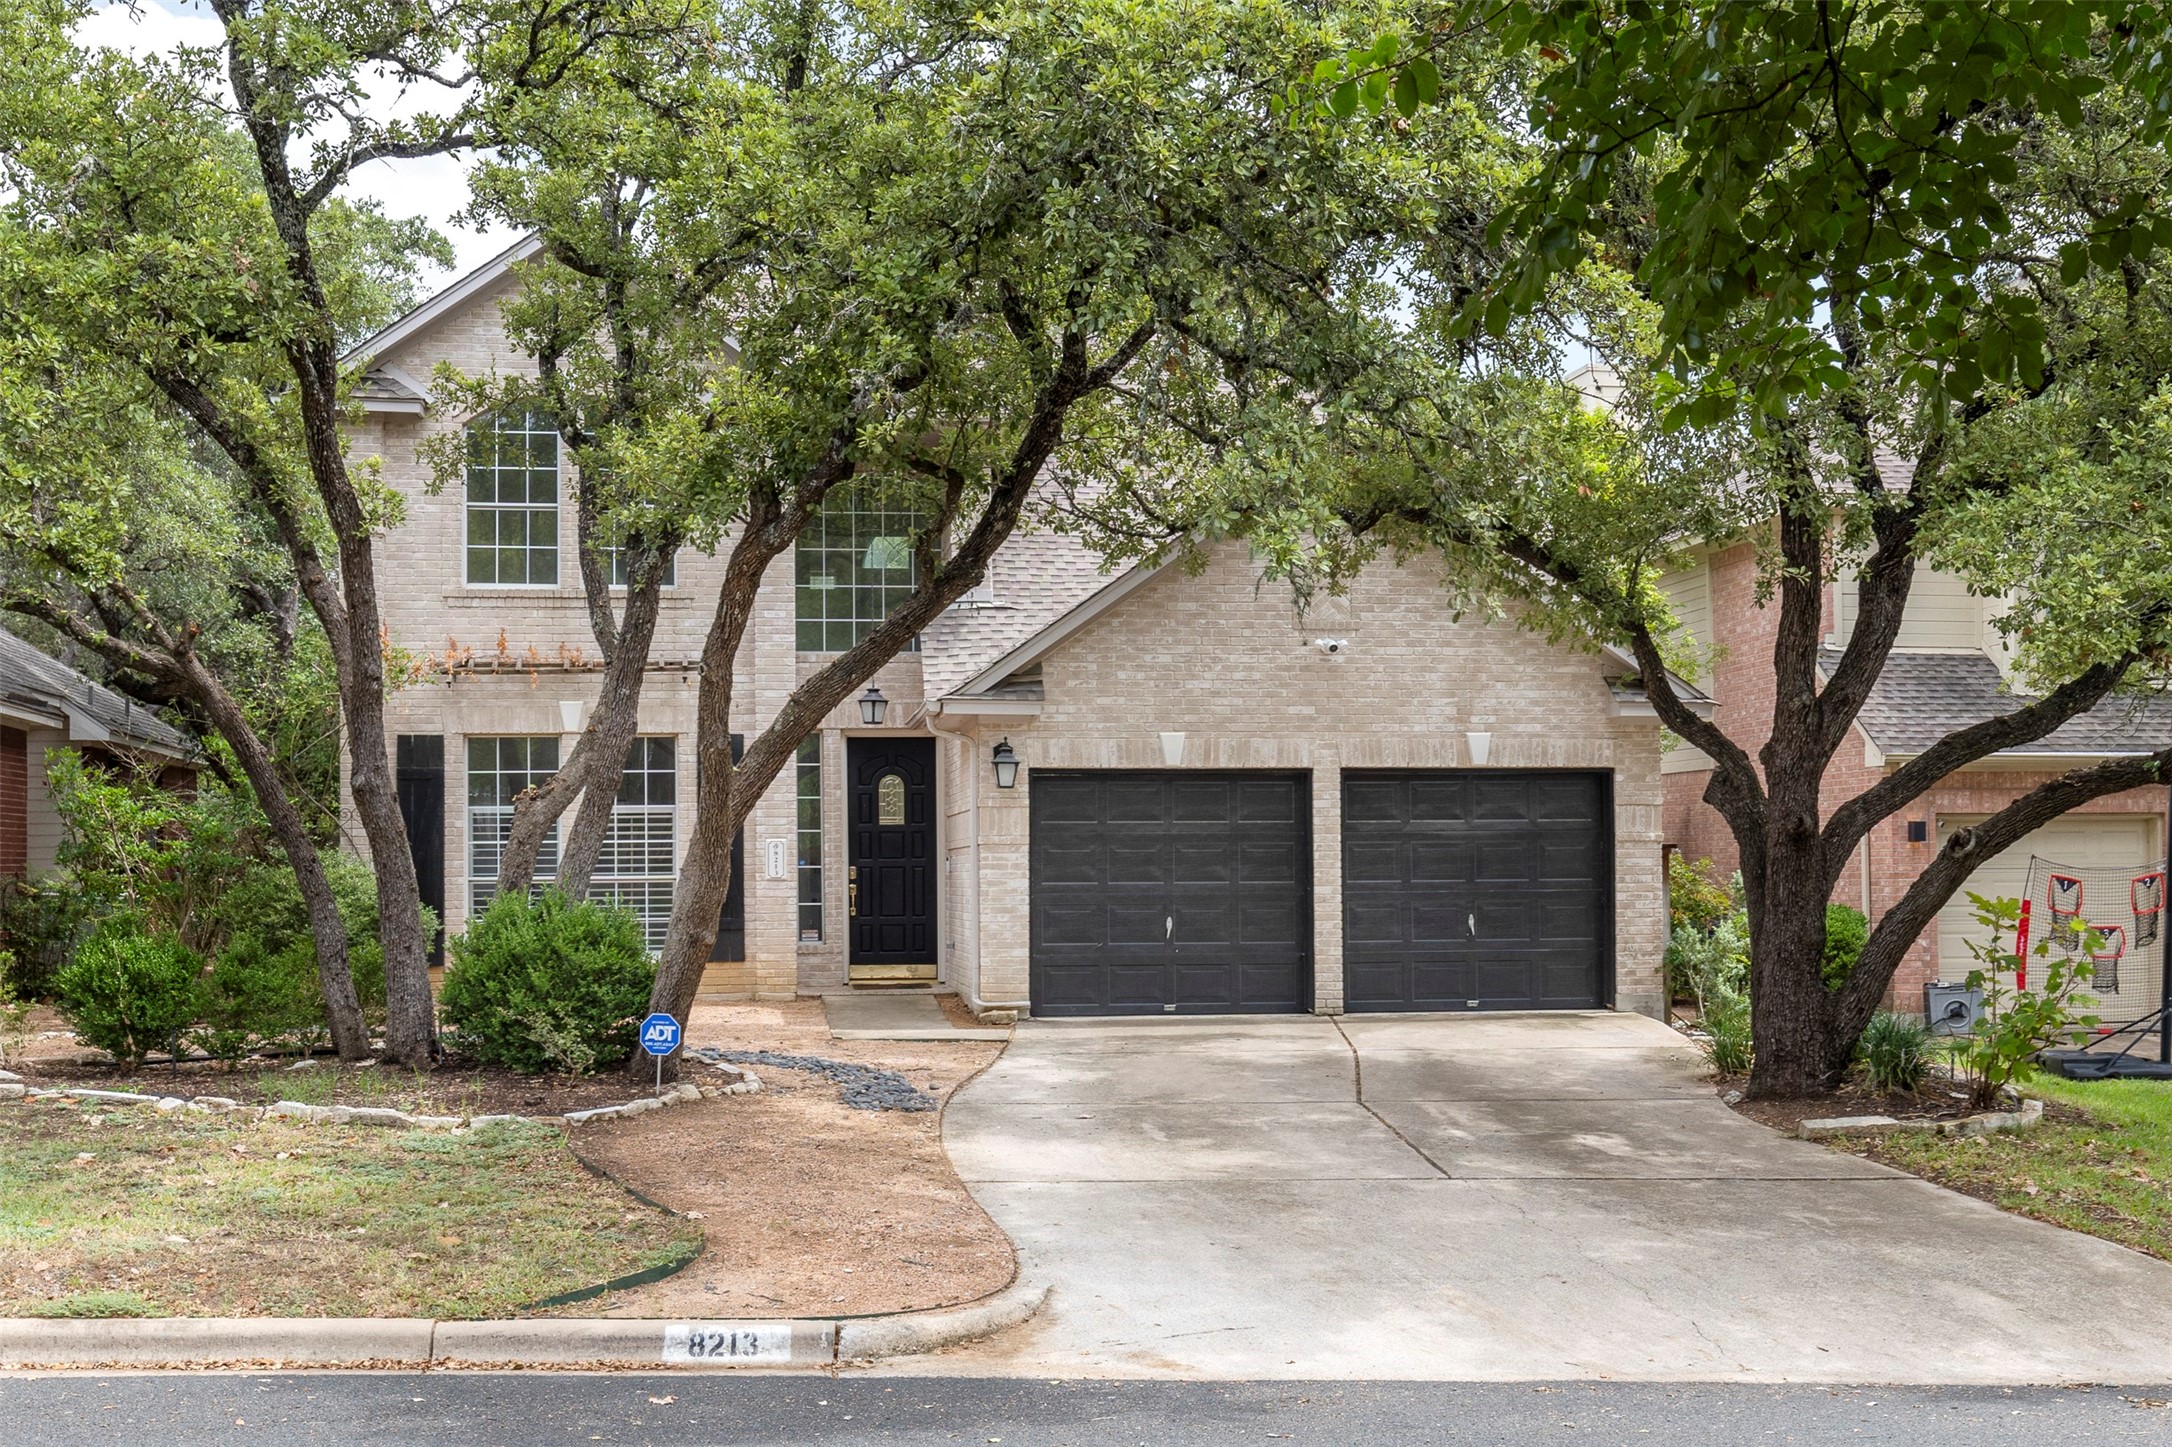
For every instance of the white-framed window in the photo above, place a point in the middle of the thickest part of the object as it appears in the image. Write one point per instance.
(499, 769)
(512, 508)
(810, 840)
(639, 866)
(853, 564)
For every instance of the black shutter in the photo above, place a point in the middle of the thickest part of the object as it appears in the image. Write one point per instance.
(419, 778)
(731, 921)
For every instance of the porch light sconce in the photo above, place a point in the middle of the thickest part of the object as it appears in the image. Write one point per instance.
(1006, 766)
(1172, 750)
(873, 706)
(1481, 748)
(1919, 831)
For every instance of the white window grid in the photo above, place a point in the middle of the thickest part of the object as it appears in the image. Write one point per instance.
(853, 564)
(499, 769)
(638, 868)
(512, 500)
(810, 839)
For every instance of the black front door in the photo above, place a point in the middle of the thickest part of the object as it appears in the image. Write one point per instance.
(891, 880)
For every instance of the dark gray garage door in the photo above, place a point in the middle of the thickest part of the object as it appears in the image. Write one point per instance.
(1477, 889)
(1179, 892)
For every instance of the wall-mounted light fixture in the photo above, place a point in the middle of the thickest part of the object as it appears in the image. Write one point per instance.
(873, 706)
(1006, 766)
(1481, 748)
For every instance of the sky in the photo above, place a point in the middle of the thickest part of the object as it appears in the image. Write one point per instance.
(434, 188)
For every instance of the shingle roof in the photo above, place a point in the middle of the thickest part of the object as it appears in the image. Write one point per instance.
(1034, 578)
(32, 679)
(1922, 697)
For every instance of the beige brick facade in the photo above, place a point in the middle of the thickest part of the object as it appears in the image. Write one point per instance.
(1218, 657)
(1221, 659)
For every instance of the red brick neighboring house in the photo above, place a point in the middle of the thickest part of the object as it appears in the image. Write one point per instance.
(1947, 670)
(46, 705)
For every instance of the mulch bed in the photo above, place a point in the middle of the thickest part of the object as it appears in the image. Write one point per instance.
(1935, 1101)
(810, 1207)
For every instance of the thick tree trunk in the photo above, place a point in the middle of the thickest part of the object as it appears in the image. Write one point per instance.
(1792, 1023)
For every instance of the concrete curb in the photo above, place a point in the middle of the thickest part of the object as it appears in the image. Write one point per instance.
(914, 1333)
(30, 1342)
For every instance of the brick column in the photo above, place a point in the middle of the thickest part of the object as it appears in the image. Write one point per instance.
(1327, 881)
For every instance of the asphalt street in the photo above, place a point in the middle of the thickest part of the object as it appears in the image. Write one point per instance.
(542, 1407)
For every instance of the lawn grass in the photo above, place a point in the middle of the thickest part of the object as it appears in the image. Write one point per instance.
(125, 1213)
(2103, 1166)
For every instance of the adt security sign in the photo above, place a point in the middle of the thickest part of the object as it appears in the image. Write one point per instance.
(659, 1036)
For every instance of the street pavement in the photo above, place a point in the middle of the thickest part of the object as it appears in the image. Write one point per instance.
(1492, 1198)
(470, 1410)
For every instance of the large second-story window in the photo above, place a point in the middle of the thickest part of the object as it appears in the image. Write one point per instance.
(513, 499)
(855, 563)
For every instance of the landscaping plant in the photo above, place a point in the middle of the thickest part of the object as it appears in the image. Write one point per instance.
(2015, 1024)
(1716, 967)
(130, 991)
(1694, 897)
(1846, 929)
(548, 984)
(1896, 1051)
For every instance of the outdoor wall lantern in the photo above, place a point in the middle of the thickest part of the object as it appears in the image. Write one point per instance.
(1006, 766)
(873, 706)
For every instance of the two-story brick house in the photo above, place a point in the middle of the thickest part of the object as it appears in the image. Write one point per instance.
(1948, 669)
(1147, 792)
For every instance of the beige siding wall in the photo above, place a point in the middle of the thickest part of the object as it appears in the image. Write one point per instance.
(1689, 594)
(1220, 659)
(43, 832)
(1942, 614)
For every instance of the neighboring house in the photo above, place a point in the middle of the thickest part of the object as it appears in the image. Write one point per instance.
(1214, 810)
(1948, 669)
(46, 705)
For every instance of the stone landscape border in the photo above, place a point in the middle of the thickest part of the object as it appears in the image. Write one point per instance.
(1990, 1122)
(13, 1087)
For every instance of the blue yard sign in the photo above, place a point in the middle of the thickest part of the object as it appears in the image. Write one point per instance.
(659, 1036)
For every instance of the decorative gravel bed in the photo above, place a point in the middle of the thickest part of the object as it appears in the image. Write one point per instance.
(863, 1087)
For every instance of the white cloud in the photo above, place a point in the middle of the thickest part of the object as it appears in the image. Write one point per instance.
(435, 187)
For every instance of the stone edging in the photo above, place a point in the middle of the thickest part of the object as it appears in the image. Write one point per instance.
(29, 1342)
(12, 1087)
(1990, 1122)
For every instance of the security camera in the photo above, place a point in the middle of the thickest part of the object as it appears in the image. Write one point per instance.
(1331, 646)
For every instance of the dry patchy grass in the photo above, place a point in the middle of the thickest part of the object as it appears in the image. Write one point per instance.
(126, 1214)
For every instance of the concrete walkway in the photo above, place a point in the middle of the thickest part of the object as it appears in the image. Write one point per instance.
(1493, 1198)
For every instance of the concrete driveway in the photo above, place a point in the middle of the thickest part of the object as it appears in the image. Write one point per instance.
(1490, 1198)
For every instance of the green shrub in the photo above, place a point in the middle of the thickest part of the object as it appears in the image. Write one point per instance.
(548, 984)
(1695, 899)
(128, 992)
(1895, 1050)
(256, 995)
(42, 922)
(264, 913)
(1716, 971)
(1846, 931)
